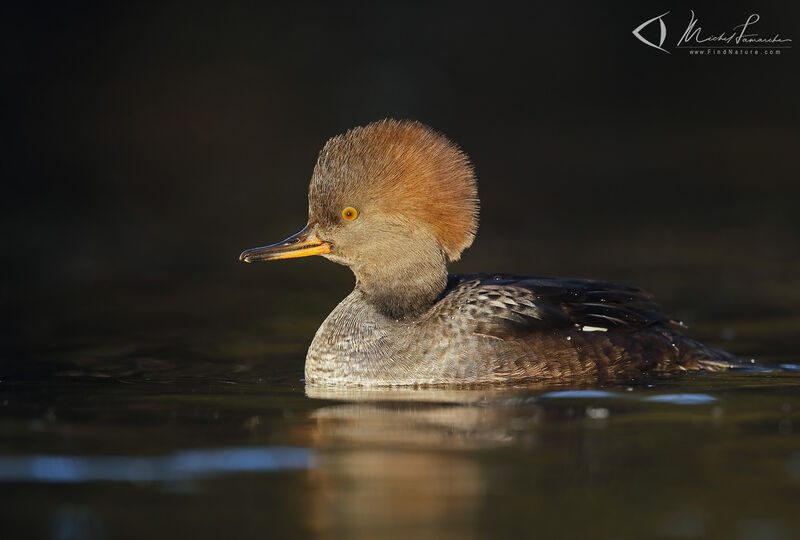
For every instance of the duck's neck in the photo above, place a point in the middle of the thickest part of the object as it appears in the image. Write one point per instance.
(405, 286)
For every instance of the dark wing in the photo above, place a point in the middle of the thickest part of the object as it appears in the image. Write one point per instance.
(504, 305)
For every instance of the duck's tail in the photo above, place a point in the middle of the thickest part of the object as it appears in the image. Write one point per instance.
(697, 355)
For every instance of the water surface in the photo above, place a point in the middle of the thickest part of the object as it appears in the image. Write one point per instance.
(133, 442)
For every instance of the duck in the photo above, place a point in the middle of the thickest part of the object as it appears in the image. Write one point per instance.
(396, 202)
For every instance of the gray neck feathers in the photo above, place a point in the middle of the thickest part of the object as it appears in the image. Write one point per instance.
(404, 286)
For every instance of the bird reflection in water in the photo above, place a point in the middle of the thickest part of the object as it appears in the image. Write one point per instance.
(410, 457)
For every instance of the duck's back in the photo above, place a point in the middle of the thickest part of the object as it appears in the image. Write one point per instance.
(552, 328)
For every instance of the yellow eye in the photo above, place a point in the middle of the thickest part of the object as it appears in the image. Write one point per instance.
(349, 213)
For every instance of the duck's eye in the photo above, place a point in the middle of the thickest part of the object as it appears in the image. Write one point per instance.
(349, 213)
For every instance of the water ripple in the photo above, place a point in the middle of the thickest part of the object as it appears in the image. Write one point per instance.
(184, 465)
(580, 394)
(682, 399)
(677, 399)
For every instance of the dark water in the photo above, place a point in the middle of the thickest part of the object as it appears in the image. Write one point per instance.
(703, 456)
(174, 425)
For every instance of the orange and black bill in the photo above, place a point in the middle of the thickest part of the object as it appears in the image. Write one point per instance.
(302, 244)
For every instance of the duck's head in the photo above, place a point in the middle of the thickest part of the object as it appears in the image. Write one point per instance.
(395, 201)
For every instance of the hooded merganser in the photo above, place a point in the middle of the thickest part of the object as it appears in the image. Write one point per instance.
(396, 201)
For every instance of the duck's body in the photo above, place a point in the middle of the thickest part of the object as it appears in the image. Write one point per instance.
(494, 328)
(395, 202)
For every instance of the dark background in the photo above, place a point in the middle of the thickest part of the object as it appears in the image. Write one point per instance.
(147, 145)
